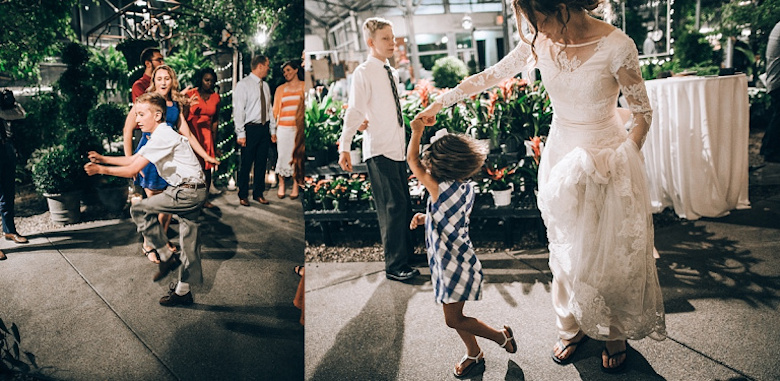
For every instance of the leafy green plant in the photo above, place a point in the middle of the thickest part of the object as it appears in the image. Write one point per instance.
(323, 124)
(105, 121)
(186, 61)
(109, 72)
(449, 71)
(10, 352)
(57, 169)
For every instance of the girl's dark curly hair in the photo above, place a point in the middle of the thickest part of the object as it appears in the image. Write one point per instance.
(549, 8)
(454, 157)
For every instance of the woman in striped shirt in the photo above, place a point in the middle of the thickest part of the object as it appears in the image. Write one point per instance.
(287, 99)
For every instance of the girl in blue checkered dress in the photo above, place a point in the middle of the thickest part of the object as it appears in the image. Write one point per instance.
(455, 270)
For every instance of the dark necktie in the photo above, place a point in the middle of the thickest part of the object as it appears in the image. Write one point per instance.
(395, 96)
(262, 102)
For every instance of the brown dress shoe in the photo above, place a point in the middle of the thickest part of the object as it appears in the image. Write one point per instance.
(15, 237)
(261, 200)
(243, 201)
(166, 267)
(2, 256)
(174, 299)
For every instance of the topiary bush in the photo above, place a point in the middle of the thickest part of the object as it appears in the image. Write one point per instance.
(105, 122)
(449, 71)
(57, 169)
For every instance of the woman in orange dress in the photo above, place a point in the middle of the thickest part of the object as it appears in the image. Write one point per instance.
(204, 117)
(287, 100)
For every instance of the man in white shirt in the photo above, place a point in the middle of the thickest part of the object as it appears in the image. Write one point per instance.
(177, 164)
(374, 96)
(255, 128)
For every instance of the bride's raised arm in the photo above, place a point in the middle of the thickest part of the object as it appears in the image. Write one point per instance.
(515, 62)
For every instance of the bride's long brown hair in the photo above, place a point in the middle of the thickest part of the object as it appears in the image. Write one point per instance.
(526, 8)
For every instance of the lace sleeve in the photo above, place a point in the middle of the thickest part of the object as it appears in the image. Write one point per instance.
(625, 69)
(515, 62)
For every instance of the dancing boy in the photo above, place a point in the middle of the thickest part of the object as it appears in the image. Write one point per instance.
(177, 164)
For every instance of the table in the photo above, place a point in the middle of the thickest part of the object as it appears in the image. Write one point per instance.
(696, 153)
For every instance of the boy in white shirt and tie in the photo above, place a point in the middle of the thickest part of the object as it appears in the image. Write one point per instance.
(374, 97)
(172, 155)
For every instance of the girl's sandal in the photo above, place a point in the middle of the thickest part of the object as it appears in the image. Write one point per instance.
(298, 270)
(478, 362)
(147, 254)
(508, 339)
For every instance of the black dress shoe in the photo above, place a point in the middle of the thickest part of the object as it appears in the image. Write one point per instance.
(166, 267)
(403, 275)
(174, 299)
(261, 200)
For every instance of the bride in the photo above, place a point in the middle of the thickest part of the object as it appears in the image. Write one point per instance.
(593, 193)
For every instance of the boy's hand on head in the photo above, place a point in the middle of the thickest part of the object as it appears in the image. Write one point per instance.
(417, 220)
(92, 169)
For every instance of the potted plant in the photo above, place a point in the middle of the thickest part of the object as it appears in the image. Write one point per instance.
(338, 193)
(58, 175)
(323, 125)
(308, 195)
(499, 182)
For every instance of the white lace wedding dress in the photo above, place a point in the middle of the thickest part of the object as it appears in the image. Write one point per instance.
(593, 192)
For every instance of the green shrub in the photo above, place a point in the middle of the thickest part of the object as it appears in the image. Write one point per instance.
(57, 169)
(105, 122)
(449, 71)
(692, 49)
(42, 126)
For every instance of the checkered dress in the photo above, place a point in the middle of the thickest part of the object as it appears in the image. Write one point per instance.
(455, 270)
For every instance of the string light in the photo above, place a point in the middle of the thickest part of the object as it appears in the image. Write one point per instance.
(228, 66)
(139, 67)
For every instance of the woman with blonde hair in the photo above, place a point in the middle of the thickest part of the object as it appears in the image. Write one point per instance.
(593, 193)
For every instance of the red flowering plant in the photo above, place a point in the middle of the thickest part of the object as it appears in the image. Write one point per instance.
(339, 189)
(499, 175)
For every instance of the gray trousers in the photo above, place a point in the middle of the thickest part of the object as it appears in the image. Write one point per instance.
(186, 204)
(394, 210)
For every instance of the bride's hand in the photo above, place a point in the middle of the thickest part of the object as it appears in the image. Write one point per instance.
(428, 115)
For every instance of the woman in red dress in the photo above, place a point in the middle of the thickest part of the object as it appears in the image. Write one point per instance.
(204, 117)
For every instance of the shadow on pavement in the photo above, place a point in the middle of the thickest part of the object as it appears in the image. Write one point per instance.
(698, 265)
(377, 332)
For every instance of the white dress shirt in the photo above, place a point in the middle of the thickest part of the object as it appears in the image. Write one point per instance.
(371, 97)
(171, 153)
(246, 105)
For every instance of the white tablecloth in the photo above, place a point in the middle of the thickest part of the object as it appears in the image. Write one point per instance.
(696, 152)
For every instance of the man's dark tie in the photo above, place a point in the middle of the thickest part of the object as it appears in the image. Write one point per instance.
(262, 102)
(395, 96)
